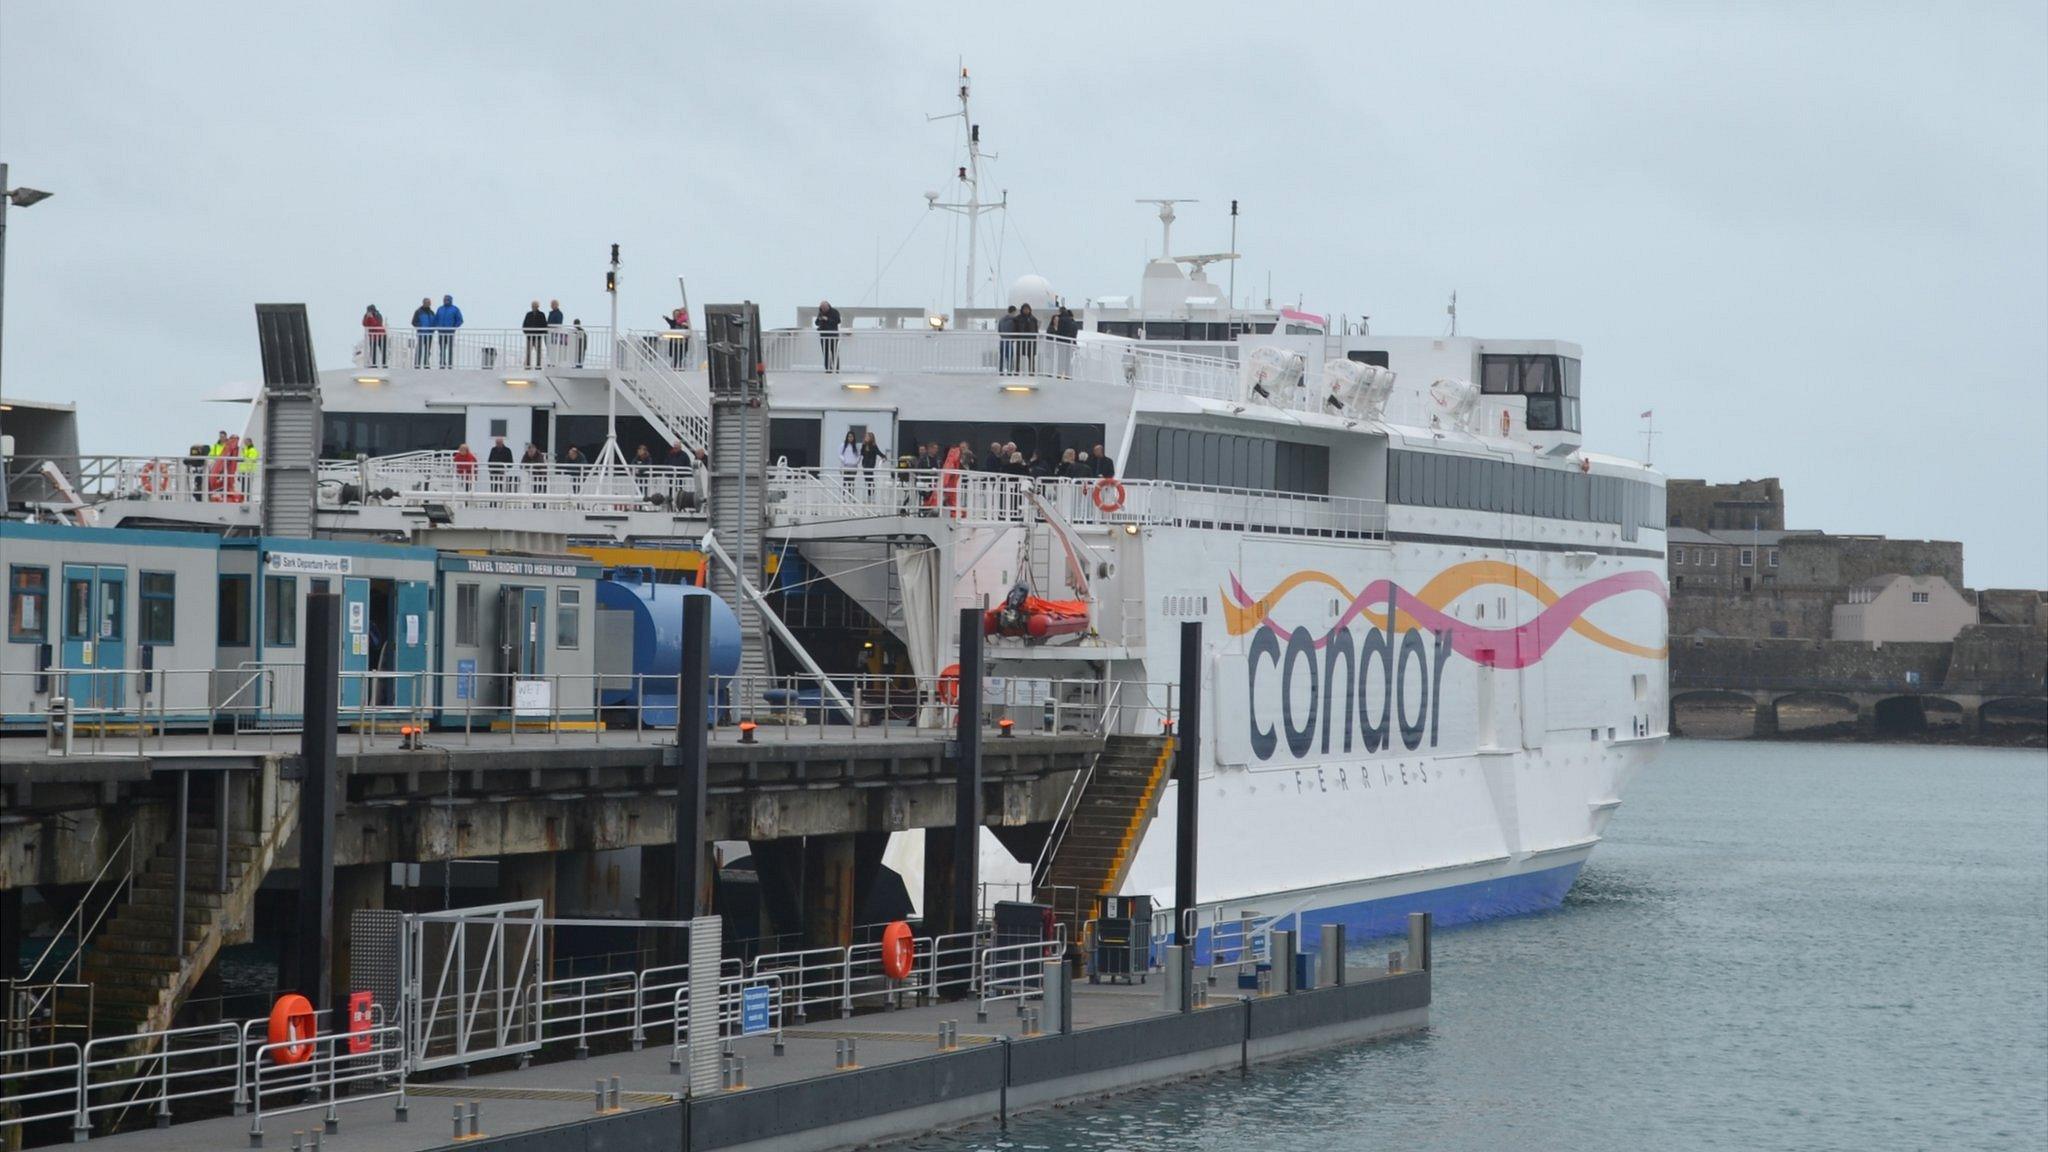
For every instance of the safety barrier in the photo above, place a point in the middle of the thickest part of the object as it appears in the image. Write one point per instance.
(1016, 971)
(333, 1064)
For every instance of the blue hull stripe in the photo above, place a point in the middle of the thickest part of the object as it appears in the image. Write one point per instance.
(1516, 895)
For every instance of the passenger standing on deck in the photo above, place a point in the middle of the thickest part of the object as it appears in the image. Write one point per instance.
(1027, 342)
(828, 334)
(582, 341)
(501, 464)
(447, 318)
(1065, 470)
(700, 476)
(1006, 347)
(422, 332)
(251, 460)
(870, 456)
(465, 467)
(535, 326)
(556, 337)
(849, 459)
(643, 468)
(1064, 330)
(375, 353)
(534, 463)
(1104, 466)
(679, 338)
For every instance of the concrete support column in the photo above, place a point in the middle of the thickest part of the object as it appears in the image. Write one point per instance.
(356, 886)
(528, 877)
(10, 933)
(867, 868)
(1766, 720)
(829, 897)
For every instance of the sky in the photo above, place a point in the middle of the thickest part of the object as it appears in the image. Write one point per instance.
(1811, 237)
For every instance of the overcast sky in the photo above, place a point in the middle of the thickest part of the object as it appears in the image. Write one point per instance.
(1813, 238)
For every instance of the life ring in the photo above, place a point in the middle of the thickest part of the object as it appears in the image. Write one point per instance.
(1108, 494)
(949, 685)
(899, 951)
(1505, 422)
(293, 1025)
(156, 477)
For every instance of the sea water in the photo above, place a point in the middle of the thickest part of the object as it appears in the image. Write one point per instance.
(1777, 946)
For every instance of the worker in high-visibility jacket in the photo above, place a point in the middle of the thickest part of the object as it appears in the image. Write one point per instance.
(215, 466)
(250, 457)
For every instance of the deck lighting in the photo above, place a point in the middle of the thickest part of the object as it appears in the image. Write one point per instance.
(371, 381)
(1004, 725)
(747, 731)
(1130, 529)
(858, 386)
(518, 382)
(1020, 388)
(938, 323)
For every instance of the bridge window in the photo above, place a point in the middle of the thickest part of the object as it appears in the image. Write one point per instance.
(159, 607)
(344, 435)
(281, 611)
(465, 615)
(1551, 384)
(232, 612)
(568, 618)
(1227, 460)
(1367, 356)
(28, 605)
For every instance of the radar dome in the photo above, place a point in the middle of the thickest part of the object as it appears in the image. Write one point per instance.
(1032, 290)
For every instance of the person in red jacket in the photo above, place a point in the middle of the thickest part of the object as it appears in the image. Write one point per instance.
(465, 467)
(375, 350)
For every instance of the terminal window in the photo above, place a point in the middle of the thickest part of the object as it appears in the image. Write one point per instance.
(569, 618)
(233, 612)
(159, 607)
(28, 604)
(281, 611)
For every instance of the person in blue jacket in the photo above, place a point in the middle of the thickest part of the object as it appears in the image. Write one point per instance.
(423, 333)
(447, 318)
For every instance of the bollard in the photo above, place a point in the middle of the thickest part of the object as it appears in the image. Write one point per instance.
(298, 1141)
(1331, 958)
(600, 1094)
(1171, 996)
(1282, 950)
(316, 1142)
(458, 1121)
(475, 1120)
(1421, 926)
(739, 1071)
(852, 1053)
(618, 1096)
(838, 1054)
(780, 1047)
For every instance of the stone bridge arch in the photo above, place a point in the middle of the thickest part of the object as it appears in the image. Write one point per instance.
(1814, 713)
(1917, 715)
(1714, 714)
(2017, 719)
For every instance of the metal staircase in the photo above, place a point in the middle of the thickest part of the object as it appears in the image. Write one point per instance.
(672, 400)
(1101, 825)
(139, 978)
(740, 434)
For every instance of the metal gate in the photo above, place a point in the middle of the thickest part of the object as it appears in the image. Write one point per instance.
(473, 980)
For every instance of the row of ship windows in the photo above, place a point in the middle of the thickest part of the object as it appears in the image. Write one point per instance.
(1437, 480)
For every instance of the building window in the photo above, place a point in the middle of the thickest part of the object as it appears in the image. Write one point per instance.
(1919, 597)
(465, 615)
(1713, 559)
(232, 608)
(1748, 558)
(159, 607)
(281, 611)
(1771, 558)
(568, 618)
(28, 605)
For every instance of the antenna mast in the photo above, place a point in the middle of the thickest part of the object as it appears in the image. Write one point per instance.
(968, 174)
(1166, 219)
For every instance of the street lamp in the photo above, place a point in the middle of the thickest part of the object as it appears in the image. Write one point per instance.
(20, 198)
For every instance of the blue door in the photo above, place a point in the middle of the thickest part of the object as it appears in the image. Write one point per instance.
(355, 642)
(110, 651)
(409, 644)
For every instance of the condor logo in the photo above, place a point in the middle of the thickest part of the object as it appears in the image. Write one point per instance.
(1343, 691)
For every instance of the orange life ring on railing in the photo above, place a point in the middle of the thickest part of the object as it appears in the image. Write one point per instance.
(1108, 494)
(899, 951)
(949, 685)
(293, 1024)
(156, 477)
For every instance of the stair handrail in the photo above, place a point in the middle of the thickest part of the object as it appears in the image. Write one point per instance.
(78, 913)
(692, 415)
(1069, 804)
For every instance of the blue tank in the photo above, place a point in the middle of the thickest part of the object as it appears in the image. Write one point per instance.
(656, 611)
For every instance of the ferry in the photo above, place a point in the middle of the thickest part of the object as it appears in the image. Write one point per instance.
(1432, 620)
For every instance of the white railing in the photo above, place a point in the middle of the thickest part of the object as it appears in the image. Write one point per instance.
(151, 1070)
(981, 352)
(482, 349)
(40, 1082)
(800, 496)
(658, 374)
(1017, 971)
(166, 479)
(420, 478)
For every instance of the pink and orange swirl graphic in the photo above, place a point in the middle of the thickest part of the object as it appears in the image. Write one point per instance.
(1509, 647)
